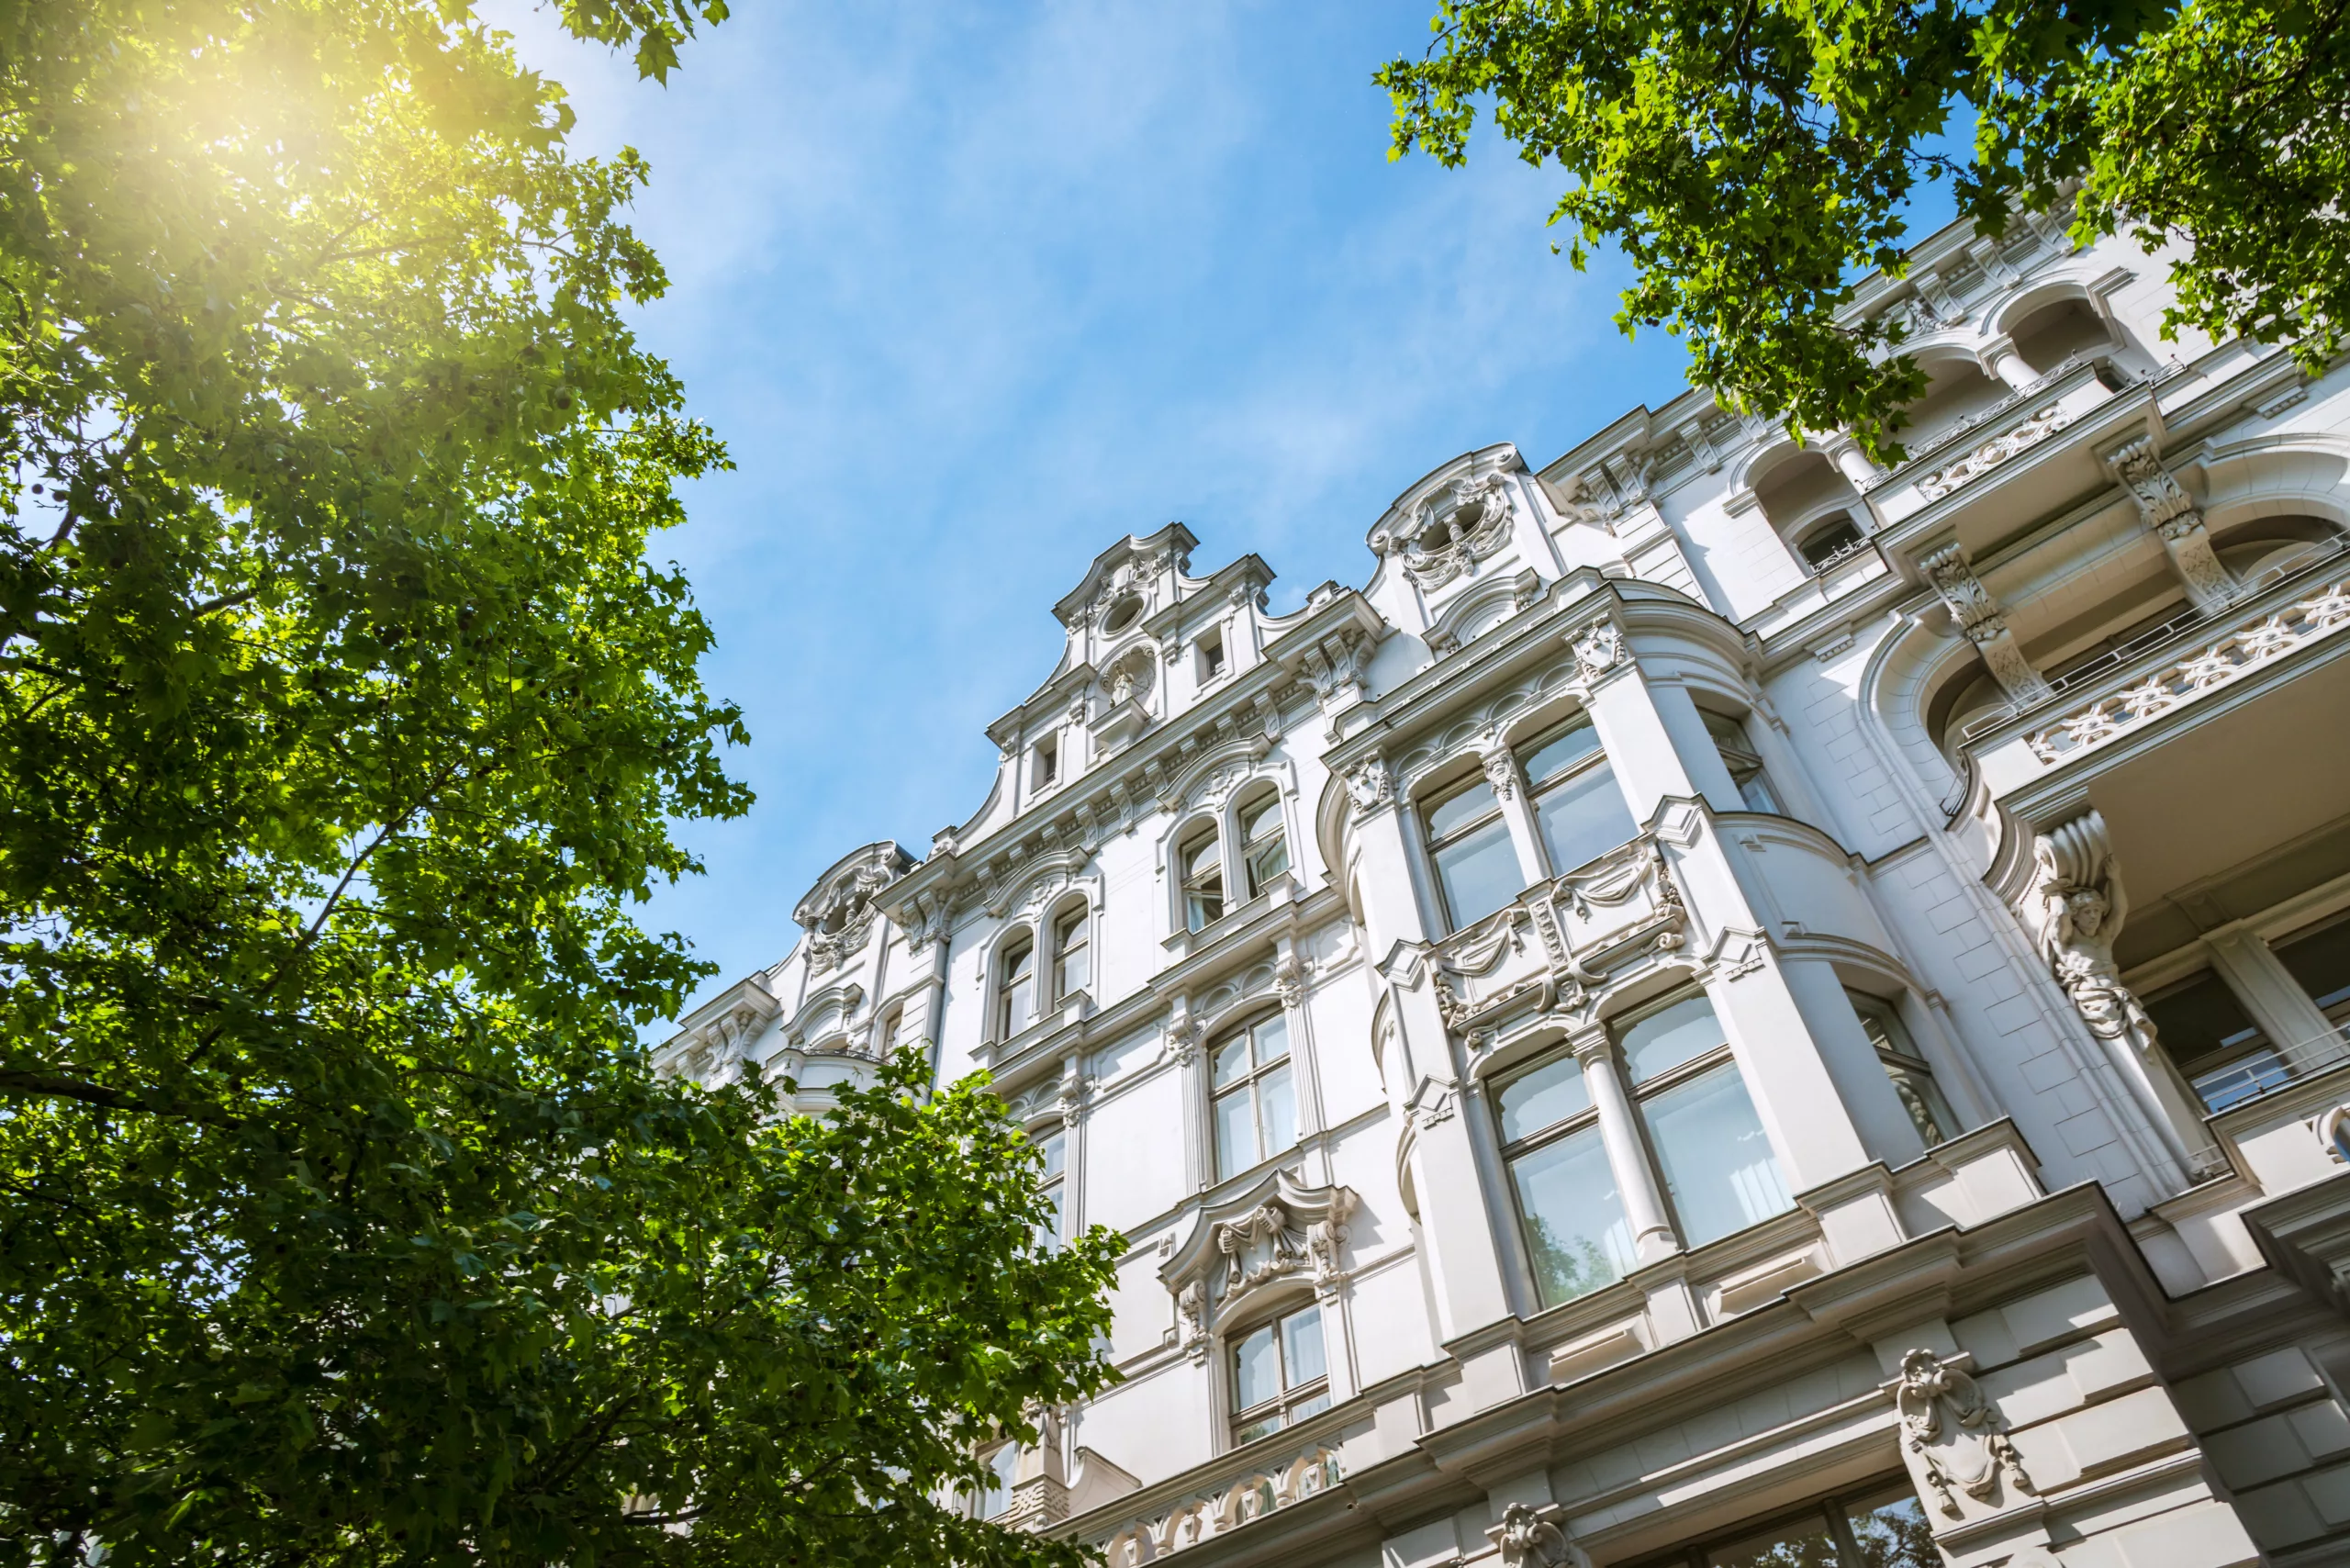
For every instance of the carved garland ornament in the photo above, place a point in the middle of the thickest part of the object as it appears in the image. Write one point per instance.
(1452, 531)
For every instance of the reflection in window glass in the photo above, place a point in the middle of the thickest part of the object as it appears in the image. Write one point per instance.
(1804, 1543)
(1255, 1102)
(1716, 1160)
(1891, 1531)
(1584, 818)
(1575, 1230)
(1542, 1098)
(2221, 1051)
(2319, 959)
(1668, 1037)
(1264, 847)
(1745, 764)
(1475, 861)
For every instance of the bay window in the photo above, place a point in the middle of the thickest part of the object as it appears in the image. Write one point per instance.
(1745, 764)
(1255, 1098)
(1693, 1124)
(1577, 806)
(1475, 863)
(1280, 1375)
(1913, 1080)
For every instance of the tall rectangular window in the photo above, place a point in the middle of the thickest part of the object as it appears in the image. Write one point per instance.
(1475, 862)
(1072, 955)
(1721, 1174)
(1568, 1205)
(1256, 1102)
(1211, 646)
(1016, 991)
(1048, 761)
(1913, 1080)
(1745, 764)
(1281, 1375)
(1577, 806)
(1201, 862)
(2222, 1052)
(1054, 1146)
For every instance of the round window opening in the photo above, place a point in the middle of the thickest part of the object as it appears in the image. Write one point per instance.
(1122, 614)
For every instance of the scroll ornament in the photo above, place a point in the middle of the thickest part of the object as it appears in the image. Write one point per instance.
(1956, 1434)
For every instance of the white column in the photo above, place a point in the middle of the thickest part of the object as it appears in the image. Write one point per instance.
(1502, 773)
(1627, 1156)
(2000, 354)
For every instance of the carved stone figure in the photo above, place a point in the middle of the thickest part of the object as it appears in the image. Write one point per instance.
(1368, 786)
(2083, 906)
(838, 911)
(1527, 1539)
(1978, 617)
(1956, 1433)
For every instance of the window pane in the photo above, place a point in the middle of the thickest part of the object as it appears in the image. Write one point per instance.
(1232, 1061)
(1255, 1369)
(1480, 873)
(1267, 862)
(1056, 1149)
(1549, 1094)
(1277, 1110)
(1199, 858)
(1928, 1113)
(1456, 811)
(1718, 1163)
(1261, 817)
(1272, 1039)
(2246, 1078)
(2319, 959)
(1302, 1346)
(1305, 1407)
(1235, 1134)
(1799, 1543)
(1004, 1468)
(1050, 1235)
(1561, 752)
(1262, 1427)
(1584, 819)
(1019, 1003)
(1574, 1219)
(2204, 1028)
(1755, 790)
(1666, 1038)
(1892, 1532)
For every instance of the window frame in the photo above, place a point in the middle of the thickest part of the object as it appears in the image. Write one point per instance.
(1213, 656)
(1436, 845)
(1255, 850)
(1246, 1084)
(1581, 768)
(1021, 944)
(1281, 1408)
(1192, 891)
(1047, 771)
(1898, 1052)
(1834, 1506)
(1640, 1135)
(2249, 1048)
(1070, 929)
(1748, 770)
(1052, 1141)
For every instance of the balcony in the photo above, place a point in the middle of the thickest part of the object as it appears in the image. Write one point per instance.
(2199, 660)
(1252, 1483)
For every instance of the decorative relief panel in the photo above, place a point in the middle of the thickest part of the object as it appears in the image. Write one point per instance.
(1451, 532)
(1986, 456)
(1280, 1230)
(2214, 665)
(838, 911)
(1957, 1436)
(1263, 1486)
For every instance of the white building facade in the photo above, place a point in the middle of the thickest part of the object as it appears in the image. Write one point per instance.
(1727, 1007)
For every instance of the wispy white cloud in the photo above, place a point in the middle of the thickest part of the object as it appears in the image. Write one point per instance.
(972, 290)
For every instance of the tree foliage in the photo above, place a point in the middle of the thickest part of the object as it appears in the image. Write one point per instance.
(1750, 156)
(342, 720)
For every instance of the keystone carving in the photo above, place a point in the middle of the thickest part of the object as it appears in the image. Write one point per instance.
(1370, 787)
(1530, 1537)
(1959, 1437)
(1600, 647)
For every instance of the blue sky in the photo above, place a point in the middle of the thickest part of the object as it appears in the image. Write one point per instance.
(973, 290)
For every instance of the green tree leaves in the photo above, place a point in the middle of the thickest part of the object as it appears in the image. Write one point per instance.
(341, 1218)
(1752, 157)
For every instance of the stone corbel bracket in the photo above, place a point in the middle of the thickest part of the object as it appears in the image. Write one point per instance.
(1278, 1230)
(1979, 617)
(2175, 518)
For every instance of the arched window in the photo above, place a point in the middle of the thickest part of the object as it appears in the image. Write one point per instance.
(1072, 953)
(1829, 540)
(1475, 863)
(1016, 991)
(1200, 863)
(1745, 764)
(1264, 847)
(1256, 1102)
(1576, 804)
(1281, 1374)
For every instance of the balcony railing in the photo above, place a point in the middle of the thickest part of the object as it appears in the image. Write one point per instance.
(2216, 664)
(1265, 1483)
(2263, 1071)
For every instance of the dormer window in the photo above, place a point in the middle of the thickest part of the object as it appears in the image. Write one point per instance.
(1048, 762)
(1200, 863)
(1211, 647)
